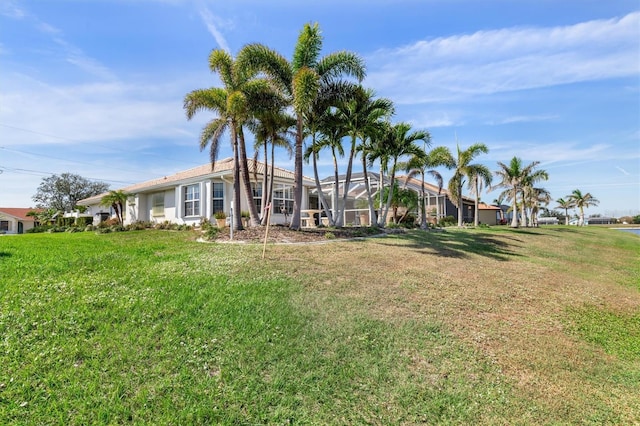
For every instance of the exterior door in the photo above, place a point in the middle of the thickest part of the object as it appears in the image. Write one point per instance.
(20, 228)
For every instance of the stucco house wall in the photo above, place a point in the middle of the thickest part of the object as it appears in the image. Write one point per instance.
(192, 195)
(14, 220)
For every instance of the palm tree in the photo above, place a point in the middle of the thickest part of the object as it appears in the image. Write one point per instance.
(418, 164)
(582, 201)
(529, 193)
(231, 104)
(400, 142)
(513, 177)
(534, 197)
(463, 168)
(360, 116)
(117, 200)
(270, 127)
(479, 177)
(304, 79)
(566, 205)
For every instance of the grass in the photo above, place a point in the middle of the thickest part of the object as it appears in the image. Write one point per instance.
(487, 326)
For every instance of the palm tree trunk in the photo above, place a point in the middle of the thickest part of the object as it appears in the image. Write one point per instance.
(514, 209)
(477, 193)
(460, 206)
(297, 177)
(236, 180)
(365, 175)
(423, 220)
(246, 182)
(347, 182)
(321, 198)
(265, 184)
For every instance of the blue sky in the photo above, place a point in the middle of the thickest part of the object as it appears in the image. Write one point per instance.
(96, 87)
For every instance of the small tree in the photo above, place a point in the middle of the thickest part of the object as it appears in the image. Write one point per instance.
(117, 200)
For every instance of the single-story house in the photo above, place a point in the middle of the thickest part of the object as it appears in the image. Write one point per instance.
(601, 220)
(192, 195)
(489, 215)
(15, 220)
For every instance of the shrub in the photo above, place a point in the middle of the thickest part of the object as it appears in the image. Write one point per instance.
(220, 215)
(329, 236)
(447, 221)
(89, 228)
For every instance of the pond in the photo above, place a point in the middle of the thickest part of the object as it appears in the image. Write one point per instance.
(632, 230)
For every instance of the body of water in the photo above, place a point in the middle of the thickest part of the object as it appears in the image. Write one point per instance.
(632, 230)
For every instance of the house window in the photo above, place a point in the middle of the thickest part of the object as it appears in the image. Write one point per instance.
(283, 199)
(192, 200)
(157, 204)
(256, 188)
(218, 197)
(4, 225)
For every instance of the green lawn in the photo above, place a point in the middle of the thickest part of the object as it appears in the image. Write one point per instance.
(492, 326)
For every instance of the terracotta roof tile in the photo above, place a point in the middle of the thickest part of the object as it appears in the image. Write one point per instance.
(18, 213)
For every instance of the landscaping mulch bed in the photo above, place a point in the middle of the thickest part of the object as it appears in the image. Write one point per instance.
(283, 235)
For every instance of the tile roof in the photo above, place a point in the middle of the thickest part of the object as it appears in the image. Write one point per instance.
(221, 166)
(484, 206)
(18, 213)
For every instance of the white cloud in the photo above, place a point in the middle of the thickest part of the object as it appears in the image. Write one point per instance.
(43, 114)
(211, 21)
(504, 60)
(9, 9)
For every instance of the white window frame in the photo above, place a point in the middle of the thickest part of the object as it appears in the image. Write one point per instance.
(157, 204)
(191, 199)
(220, 199)
(283, 196)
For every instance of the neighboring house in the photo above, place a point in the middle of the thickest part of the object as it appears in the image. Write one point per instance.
(15, 220)
(547, 220)
(192, 195)
(601, 220)
(489, 215)
(356, 212)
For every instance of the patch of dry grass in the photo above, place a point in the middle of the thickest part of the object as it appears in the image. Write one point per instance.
(505, 294)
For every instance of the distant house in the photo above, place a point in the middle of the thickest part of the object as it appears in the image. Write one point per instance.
(15, 220)
(489, 215)
(547, 221)
(189, 196)
(601, 220)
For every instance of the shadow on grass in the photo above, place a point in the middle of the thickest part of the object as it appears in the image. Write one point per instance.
(460, 244)
(4, 254)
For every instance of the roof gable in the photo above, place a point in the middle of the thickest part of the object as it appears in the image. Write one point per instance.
(18, 213)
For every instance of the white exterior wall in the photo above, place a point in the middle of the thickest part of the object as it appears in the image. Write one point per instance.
(13, 224)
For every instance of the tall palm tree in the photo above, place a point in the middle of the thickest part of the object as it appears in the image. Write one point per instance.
(400, 142)
(326, 131)
(566, 205)
(116, 200)
(582, 201)
(303, 80)
(513, 177)
(360, 116)
(463, 169)
(232, 105)
(479, 177)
